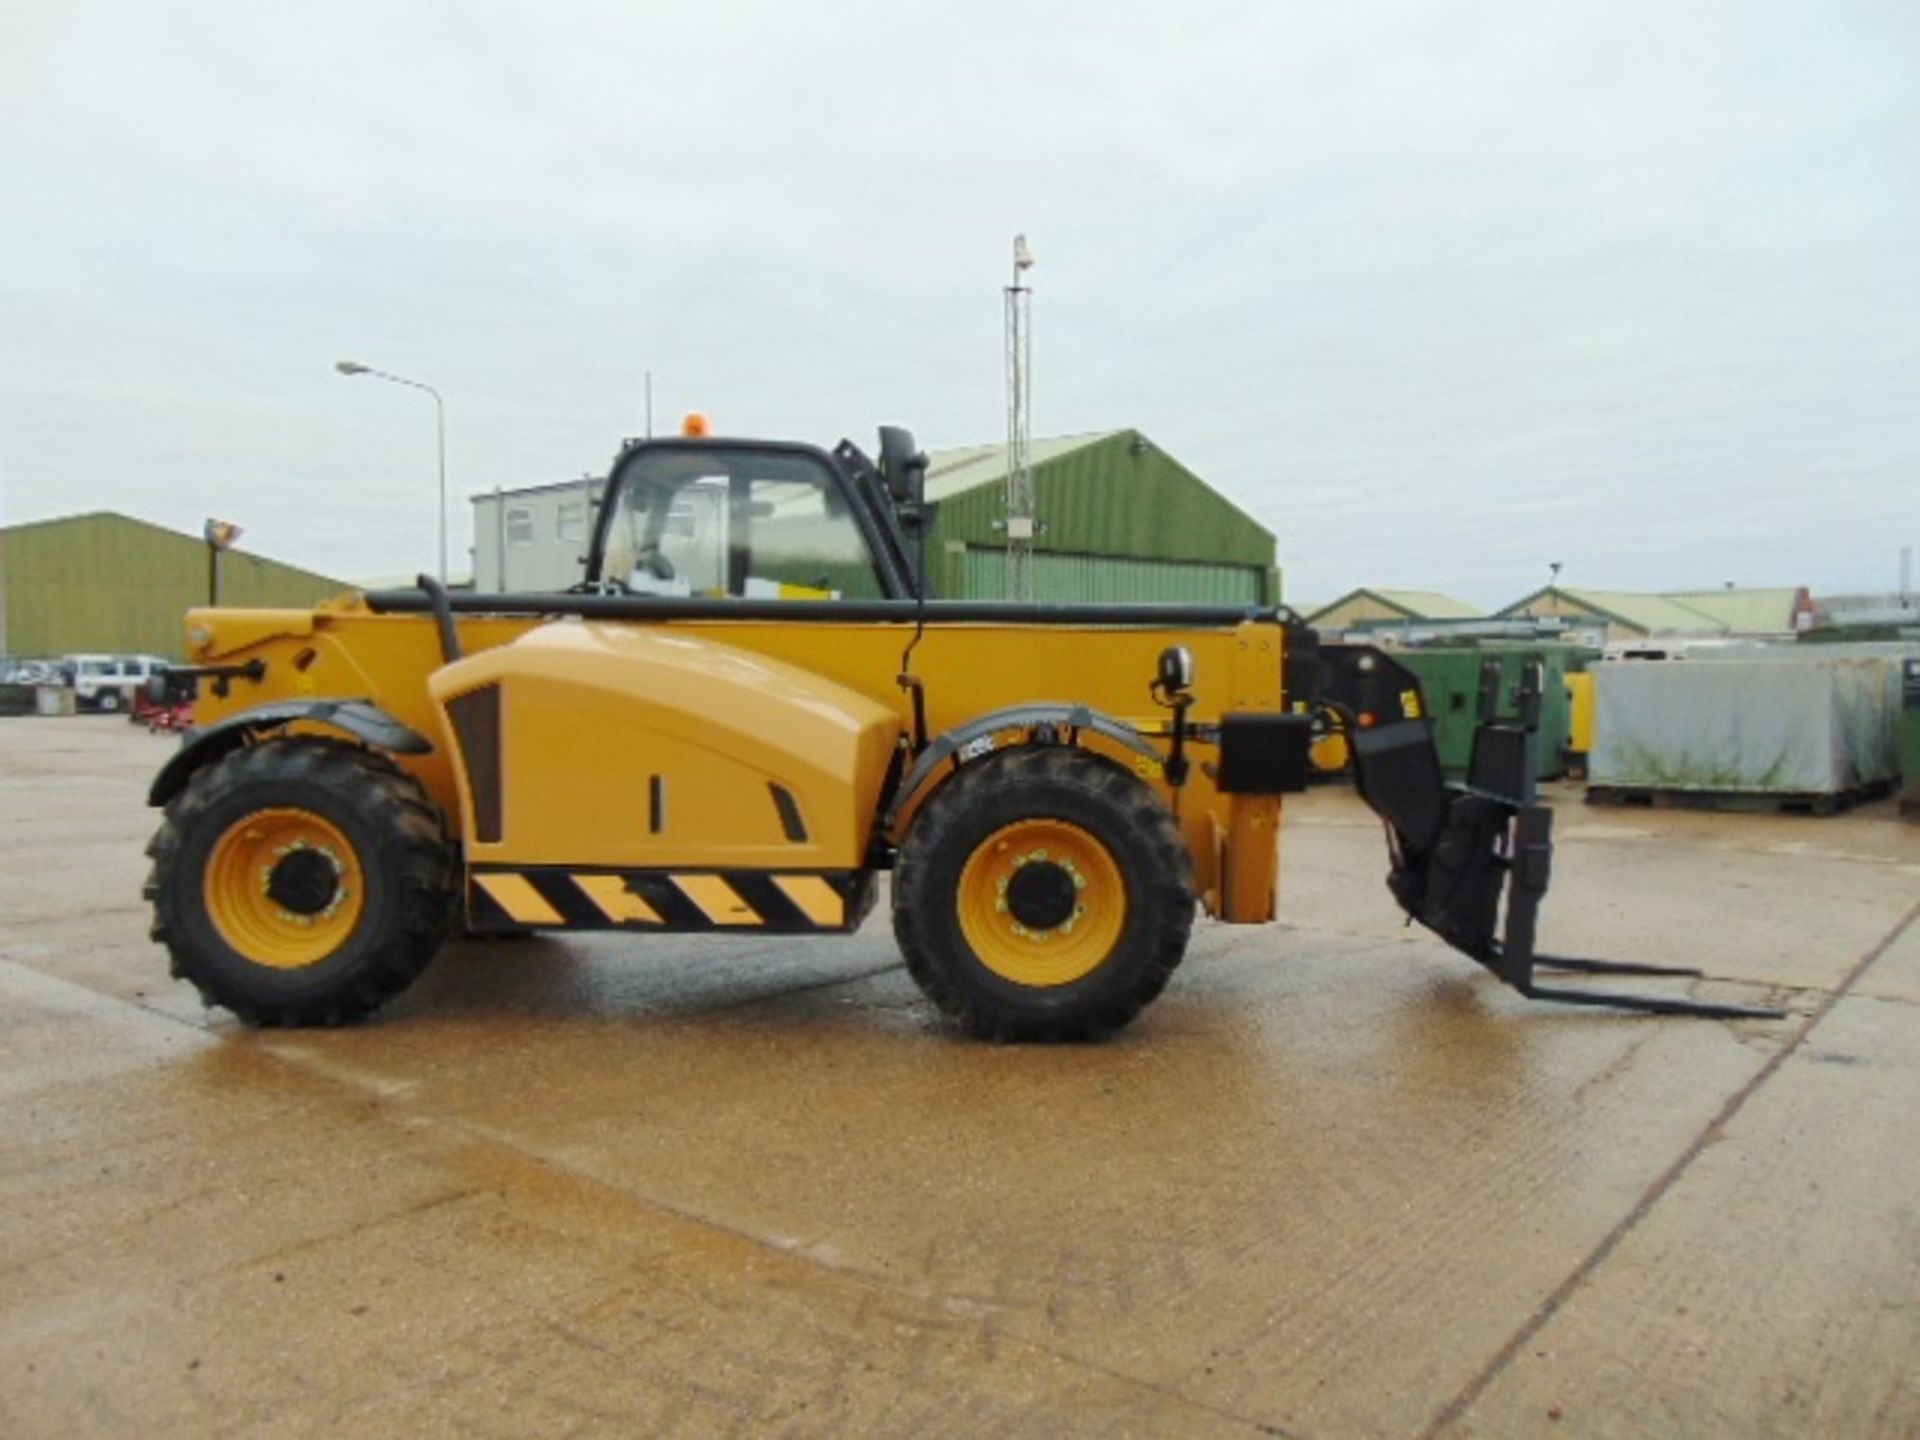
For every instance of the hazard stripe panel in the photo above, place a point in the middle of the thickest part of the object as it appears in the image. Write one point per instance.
(720, 901)
(817, 900)
(616, 901)
(560, 897)
(515, 895)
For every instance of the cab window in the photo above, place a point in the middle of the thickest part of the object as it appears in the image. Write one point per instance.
(743, 523)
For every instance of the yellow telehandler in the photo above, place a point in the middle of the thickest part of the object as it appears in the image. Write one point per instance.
(748, 710)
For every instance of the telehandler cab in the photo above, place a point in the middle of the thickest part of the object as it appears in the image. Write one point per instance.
(747, 711)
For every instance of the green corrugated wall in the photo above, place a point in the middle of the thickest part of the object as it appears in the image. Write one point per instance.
(109, 583)
(980, 573)
(1122, 496)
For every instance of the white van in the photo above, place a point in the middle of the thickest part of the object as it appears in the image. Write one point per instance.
(110, 682)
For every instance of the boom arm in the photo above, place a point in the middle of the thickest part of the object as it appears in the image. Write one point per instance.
(1455, 848)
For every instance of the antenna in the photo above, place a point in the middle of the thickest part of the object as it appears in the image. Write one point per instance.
(649, 404)
(1020, 522)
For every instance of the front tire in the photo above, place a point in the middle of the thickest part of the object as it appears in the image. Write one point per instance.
(1043, 894)
(301, 881)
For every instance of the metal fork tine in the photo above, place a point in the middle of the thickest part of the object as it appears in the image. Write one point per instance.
(1653, 1004)
(1612, 967)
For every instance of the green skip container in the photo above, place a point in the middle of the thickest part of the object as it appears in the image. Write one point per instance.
(1450, 680)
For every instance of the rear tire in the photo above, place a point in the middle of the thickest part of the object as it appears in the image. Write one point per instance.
(1043, 894)
(301, 881)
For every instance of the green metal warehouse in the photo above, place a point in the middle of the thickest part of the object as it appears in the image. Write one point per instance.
(1119, 520)
(107, 583)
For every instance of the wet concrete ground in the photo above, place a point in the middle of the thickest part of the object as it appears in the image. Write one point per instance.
(1336, 1182)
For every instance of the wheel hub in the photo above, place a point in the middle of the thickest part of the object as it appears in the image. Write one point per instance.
(1041, 894)
(1042, 902)
(304, 881)
(1049, 903)
(284, 887)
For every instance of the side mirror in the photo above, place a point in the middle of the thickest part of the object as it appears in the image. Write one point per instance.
(1175, 671)
(1172, 686)
(903, 467)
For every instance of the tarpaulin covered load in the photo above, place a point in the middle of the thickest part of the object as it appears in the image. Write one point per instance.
(1796, 725)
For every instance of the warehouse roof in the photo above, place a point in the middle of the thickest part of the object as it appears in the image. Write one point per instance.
(1431, 604)
(1108, 492)
(1745, 612)
(514, 492)
(1414, 604)
(110, 583)
(1681, 612)
(165, 534)
(1649, 614)
(1889, 607)
(963, 468)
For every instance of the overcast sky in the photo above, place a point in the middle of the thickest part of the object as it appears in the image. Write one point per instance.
(1438, 293)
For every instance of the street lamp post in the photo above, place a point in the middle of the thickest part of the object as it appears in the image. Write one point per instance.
(219, 535)
(354, 367)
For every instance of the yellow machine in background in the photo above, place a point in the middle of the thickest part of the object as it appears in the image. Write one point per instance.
(749, 713)
(1330, 754)
(1580, 721)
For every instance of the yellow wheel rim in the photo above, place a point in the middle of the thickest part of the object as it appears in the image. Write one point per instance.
(284, 888)
(1048, 954)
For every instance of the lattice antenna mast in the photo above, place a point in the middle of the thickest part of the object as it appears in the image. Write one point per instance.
(1020, 517)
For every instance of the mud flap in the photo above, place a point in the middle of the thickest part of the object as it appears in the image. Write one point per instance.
(1472, 862)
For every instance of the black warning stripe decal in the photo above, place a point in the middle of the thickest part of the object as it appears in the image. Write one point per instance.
(676, 912)
(486, 913)
(772, 903)
(568, 900)
(573, 898)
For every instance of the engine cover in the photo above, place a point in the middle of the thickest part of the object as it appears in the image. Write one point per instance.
(644, 746)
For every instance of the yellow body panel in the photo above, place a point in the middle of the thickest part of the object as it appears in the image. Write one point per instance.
(343, 650)
(603, 725)
(1249, 879)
